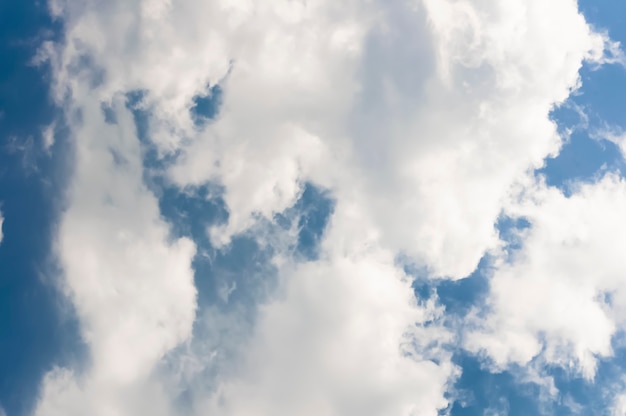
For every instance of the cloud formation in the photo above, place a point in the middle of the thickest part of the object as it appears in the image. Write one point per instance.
(131, 285)
(562, 295)
(419, 117)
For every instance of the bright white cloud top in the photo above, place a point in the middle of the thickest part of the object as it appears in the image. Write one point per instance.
(424, 119)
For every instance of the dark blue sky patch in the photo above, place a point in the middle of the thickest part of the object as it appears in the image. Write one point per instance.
(135, 103)
(233, 279)
(233, 274)
(246, 265)
(192, 210)
(602, 100)
(510, 232)
(424, 286)
(605, 90)
(310, 215)
(109, 114)
(594, 396)
(569, 116)
(239, 277)
(314, 209)
(461, 296)
(605, 14)
(481, 389)
(206, 107)
(603, 93)
(23, 86)
(33, 333)
(36, 330)
(572, 385)
(582, 159)
(232, 282)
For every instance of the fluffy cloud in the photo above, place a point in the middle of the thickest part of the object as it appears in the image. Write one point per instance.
(131, 286)
(442, 105)
(346, 337)
(562, 295)
(1, 224)
(391, 103)
(417, 116)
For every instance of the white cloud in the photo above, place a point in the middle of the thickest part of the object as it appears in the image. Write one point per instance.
(418, 116)
(346, 337)
(47, 135)
(619, 408)
(619, 404)
(612, 134)
(131, 286)
(390, 103)
(562, 296)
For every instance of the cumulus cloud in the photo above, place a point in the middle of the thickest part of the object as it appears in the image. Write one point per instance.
(562, 295)
(417, 116)
(427, 91)
(391, 103)
(132, 287)
(365, 351)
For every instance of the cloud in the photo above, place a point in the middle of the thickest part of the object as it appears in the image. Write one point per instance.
(363, 352)
(420, 106)
(561, 297)
(391, 103)
(47, 136)
(1, 224)
(619, 404)
(131, 285)
(418, 117)
(612, 134)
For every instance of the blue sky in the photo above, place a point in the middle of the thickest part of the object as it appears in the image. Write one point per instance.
(310, 216)
(35, 329)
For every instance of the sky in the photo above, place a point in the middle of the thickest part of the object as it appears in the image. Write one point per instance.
(382, 207)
